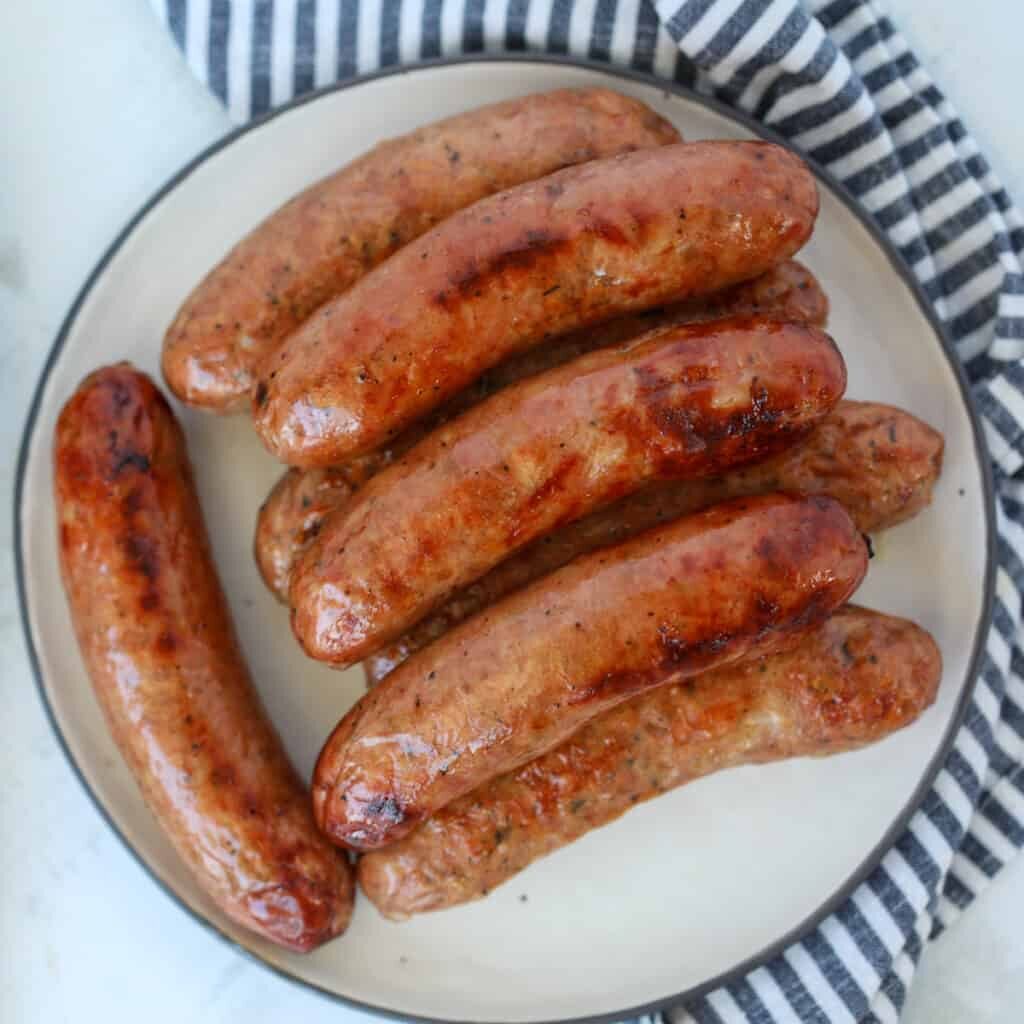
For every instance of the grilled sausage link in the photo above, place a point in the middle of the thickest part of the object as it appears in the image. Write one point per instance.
(157, 640)
(575, 248)
(734, 581)
(685, 401)
(880, 463)
(327, 237)
(852, 681)
(295, 509)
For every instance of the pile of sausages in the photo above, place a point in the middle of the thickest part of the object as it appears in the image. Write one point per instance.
(573, 476)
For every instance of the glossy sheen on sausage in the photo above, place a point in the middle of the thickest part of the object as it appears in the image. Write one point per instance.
(880, 463)
(157, 640)
(322, 241)
(575, 248)
(295, 509)
(734, 581)
(854, 680)
(685, 401)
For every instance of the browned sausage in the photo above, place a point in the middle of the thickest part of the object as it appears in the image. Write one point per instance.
(682, 402)
(327, 237)
(508, 685)
(852, 681)
(579, 247)
(158, 642)
(295, 509)
(878, 462)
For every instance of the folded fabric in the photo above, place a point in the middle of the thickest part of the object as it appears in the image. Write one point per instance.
(838, 81)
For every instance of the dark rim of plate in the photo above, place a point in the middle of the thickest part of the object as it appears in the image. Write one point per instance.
(900, 268)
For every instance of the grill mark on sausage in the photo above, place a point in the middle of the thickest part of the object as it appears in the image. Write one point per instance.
(760, 413)
(121, 452)
(696, 425)
(141, 553)
(533, 248)
(127, 457)
(673, 418)
(687, 654)
(553, 484)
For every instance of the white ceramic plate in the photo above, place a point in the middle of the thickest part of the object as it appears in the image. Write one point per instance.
(684, 889)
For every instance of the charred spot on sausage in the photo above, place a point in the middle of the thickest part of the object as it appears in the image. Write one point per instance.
(141, 554)
(386, 808)
(130, 458)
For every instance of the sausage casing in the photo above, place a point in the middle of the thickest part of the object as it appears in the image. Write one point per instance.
(578, 247)
(158, 642)
(851, 681)
(327, 237)
(685, 401)
(295, 509)
(508, 685)
(878, 462)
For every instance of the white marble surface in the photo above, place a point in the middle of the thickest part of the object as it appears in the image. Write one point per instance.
(96, 111)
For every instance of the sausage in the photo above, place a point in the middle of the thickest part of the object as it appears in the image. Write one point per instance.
(295, 509)
(158, 642)
(681, 402)
(734, 581)
(578, 247)
(880, 463)
(294, 512)
(855, 679)
(327, 237)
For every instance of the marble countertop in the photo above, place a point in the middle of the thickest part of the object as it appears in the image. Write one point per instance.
(97, 110)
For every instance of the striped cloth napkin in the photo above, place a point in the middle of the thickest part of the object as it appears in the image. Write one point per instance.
(839, 82)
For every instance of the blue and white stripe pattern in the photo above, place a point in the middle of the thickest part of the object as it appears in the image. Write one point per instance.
(839, 82)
